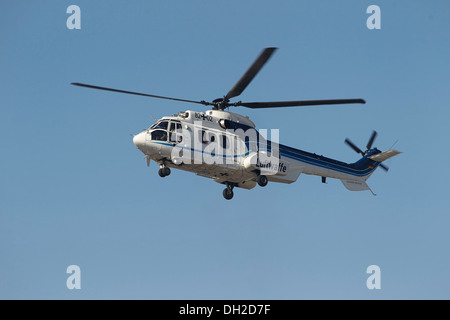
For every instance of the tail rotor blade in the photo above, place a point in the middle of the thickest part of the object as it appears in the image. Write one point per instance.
(371, 140)
(385, 168)
(353, 146)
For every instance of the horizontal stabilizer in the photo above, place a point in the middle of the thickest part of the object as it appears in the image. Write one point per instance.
(354, 185)
(380, 157)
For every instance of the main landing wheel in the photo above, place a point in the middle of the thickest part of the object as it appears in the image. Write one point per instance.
(164, 172)
(262, 181)
(228, 193)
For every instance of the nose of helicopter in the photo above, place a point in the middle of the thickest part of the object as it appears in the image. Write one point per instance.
(139, 141)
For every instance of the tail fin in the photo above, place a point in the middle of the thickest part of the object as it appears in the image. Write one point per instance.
(360, 185)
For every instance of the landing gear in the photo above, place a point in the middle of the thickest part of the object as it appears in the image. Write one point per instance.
(228, 191)
(262, 180)
(164, 172)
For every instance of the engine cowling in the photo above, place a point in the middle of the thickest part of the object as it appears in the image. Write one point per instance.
(265, 164)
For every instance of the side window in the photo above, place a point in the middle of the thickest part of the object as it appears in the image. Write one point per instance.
(251, 146)
(208, 136)
(202, 137)
(224, 141)
(175, 132)
(159, 135)
(172, 135)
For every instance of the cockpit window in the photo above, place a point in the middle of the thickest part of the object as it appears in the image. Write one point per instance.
(159, 135)
(160, 125)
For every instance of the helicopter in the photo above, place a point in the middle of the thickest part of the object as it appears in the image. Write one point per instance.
(227, 148)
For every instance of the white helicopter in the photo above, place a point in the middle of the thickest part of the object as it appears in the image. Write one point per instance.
(226, 147)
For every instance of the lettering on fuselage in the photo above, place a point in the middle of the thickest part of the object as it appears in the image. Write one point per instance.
(276, 167)
(202, 116)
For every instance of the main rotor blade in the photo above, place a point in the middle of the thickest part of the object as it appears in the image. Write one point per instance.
(300, 103)
(353, 146)
(136, 93)
(248, 76)
(385, 168)
(371, 140)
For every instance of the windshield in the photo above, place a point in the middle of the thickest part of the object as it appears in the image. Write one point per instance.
(160, 125)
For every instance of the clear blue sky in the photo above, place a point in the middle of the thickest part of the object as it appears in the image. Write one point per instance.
(75, 190)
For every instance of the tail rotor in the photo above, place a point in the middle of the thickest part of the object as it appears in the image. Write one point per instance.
(368, 147)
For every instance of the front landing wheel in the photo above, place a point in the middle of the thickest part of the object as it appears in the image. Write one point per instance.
(164, 172)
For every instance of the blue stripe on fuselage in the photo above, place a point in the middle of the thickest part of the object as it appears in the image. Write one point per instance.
(359, 168)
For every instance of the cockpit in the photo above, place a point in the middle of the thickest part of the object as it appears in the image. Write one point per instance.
(165, 130)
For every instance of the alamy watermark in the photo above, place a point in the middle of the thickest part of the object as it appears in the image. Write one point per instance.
(201, 145)
(74, 20)
(74, 280)
(374, 280)
(374, 21)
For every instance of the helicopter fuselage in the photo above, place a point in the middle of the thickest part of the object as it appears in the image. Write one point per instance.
(227, 148)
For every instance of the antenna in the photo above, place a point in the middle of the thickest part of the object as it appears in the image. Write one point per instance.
(394, 144)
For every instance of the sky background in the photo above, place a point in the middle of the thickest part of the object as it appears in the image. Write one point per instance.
(75, 190)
